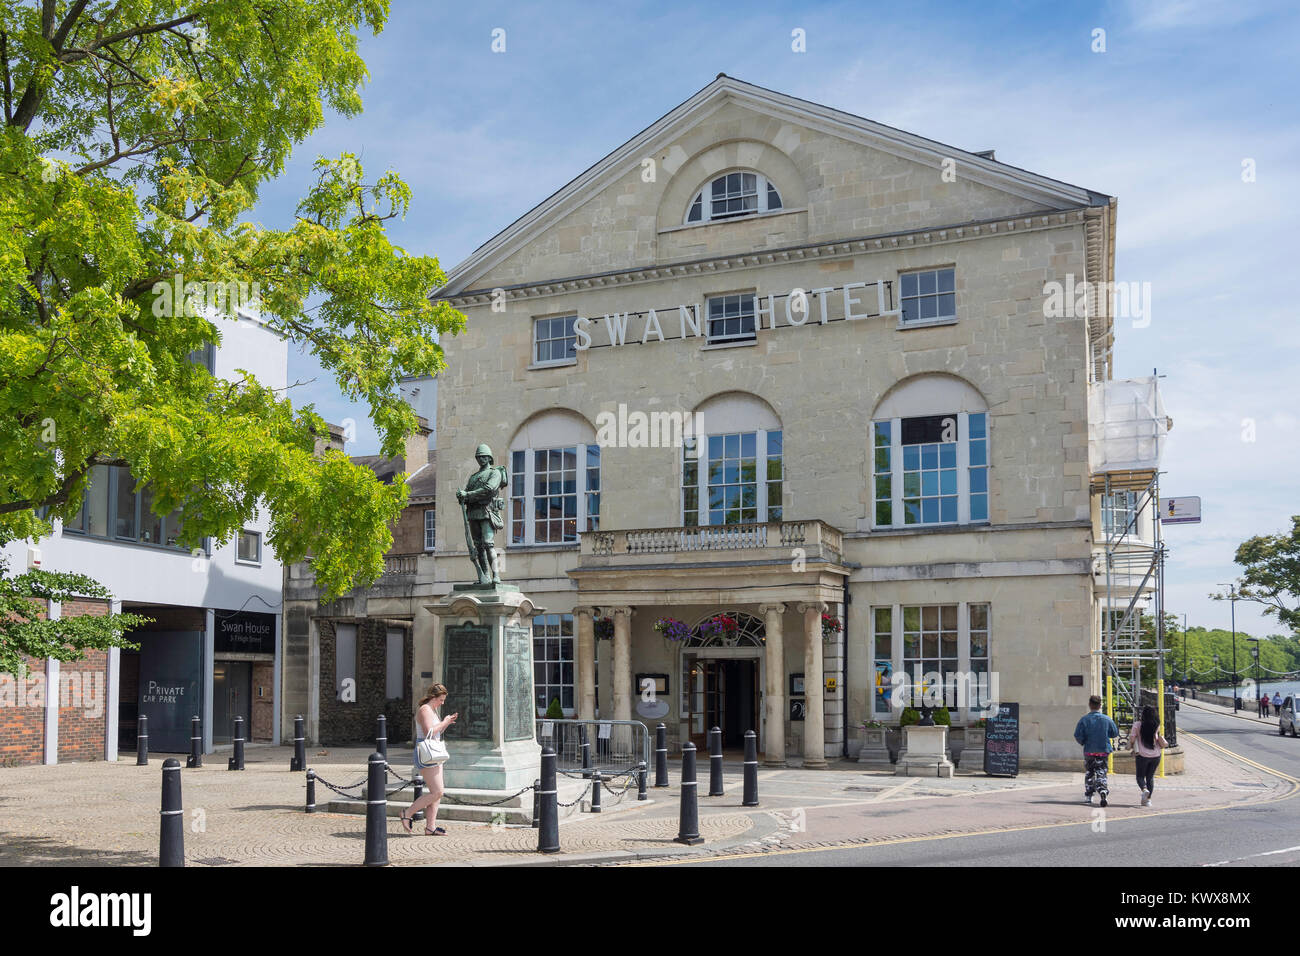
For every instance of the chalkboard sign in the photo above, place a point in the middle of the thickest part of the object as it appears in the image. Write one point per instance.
(467, 664)
(1002, 741)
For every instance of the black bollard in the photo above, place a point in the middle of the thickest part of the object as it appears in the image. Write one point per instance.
(537, 804)
(376, 812)
(196, 744)
(715, 762)
(750, 798)
(595, 792)
(298, 761)
(171, 835)
(237, 760)
(311, 791)
(688, 830)
(661, 756)
(142, 742)
(641, 774)
(548, 830)
(381, 735)
(585, 746)
(419, 791)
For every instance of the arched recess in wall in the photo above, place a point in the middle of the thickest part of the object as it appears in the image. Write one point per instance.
(554, 466)
(732, 156)
(734, 470)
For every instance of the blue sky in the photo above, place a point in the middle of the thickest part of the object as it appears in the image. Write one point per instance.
(1184, 93)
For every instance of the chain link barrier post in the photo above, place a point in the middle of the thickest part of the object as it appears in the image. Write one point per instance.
(715, 762)
(195, 758)
(641, 774)
(236, 761)
(142, 742)
(595, 792)
(661, 756)
(750, 798)
(381, 735)
(585, 746)
(311, 791)
(298, 762)
(688, 830)
(537, 803)
(419, 792)
(377, 812)
(548, 830)
(171, 834)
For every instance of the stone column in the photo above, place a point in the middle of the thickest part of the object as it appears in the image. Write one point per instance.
(585, 659)
(622, 663)
(774, 698)
(814, 720)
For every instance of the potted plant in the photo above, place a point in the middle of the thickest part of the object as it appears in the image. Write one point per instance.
(874, 750)
(831, 626)
(723, 626)
(974, 744)
(672, 630)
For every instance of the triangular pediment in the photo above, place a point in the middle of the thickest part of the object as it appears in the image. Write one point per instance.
(577, 230)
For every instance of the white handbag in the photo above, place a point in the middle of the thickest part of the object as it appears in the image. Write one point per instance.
(431, 751)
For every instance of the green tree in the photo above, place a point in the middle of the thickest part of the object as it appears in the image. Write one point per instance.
(1272, 577)
(136, 137)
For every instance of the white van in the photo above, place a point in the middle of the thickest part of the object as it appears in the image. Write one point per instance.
(1287, 717)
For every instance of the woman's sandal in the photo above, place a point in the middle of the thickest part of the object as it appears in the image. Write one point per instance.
(436, 831)
(406, 822)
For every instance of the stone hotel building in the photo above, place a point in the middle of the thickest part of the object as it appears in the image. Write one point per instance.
(766, 367)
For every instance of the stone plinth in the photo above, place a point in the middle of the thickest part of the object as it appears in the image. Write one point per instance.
(874, 754)
(925, 752)
(483, 653)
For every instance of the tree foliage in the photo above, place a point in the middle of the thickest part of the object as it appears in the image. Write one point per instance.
(137, 135)
(1272, 577)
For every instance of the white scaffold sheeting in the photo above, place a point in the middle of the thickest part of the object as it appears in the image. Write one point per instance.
(1126, 425)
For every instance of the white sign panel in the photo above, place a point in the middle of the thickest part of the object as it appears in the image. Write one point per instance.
(1180, 510)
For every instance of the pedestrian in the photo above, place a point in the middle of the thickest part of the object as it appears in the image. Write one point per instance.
(1263, 705)
(1277, 704)
(430, 753)
(1094, 732)
(1146, 743)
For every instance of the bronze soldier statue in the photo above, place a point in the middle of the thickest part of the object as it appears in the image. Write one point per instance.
(482, 510)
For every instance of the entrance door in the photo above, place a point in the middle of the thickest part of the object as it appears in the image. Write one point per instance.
(232, 684)
(724, 694)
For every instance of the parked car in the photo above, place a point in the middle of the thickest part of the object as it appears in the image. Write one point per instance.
(1287, 718)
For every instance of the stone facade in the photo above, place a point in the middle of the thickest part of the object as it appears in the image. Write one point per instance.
(354, 722)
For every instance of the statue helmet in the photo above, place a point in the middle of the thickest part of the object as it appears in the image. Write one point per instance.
(483, 450)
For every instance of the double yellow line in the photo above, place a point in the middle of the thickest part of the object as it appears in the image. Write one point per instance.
(864, 845)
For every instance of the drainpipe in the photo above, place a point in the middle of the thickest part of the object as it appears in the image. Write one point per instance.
(844, 675)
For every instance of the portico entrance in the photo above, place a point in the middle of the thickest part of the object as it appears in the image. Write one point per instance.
(723, 671)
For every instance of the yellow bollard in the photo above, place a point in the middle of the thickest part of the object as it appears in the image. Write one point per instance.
(1110, 712)
(1160, 712)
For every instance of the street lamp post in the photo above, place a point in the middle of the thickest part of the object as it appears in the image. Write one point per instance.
(1232, 599)
(1216, 668)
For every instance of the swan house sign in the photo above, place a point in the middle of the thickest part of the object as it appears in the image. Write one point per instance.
(830, 304)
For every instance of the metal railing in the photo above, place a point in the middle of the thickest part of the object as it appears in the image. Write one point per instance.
(613, 746)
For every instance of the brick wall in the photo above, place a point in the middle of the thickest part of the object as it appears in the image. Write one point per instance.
(354, 723)
(22, 728)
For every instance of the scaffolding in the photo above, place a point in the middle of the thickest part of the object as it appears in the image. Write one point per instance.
(1127, 427)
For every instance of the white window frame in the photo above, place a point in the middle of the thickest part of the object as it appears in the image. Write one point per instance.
(1115, 524)
(430, 534)
(966, 713)
(529, 474)
(760, 477)
(935, 319)
(571, 639)
(705, 197)
(740, 337)
(252, 562)
(963, 474)
(568, 359)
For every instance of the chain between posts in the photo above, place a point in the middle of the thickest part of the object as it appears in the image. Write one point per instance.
(492, 803)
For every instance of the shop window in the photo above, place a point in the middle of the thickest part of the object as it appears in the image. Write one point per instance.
(553, 662)
(554, 340)
(928, 296)
(554, 494)
(733, 195)
(883, 637)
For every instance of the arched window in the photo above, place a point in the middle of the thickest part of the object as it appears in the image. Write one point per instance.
(930, 454)
(715, 630)
(732, 195)
(554, 479)
(733, 472)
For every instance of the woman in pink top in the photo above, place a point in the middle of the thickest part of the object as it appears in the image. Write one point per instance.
(1146, 743)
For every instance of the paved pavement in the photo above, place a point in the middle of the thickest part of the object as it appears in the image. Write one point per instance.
(105, 813)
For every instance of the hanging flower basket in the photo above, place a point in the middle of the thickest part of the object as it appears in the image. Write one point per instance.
(672, 629)
(723, 626)
(831, 626)
(603, 628)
